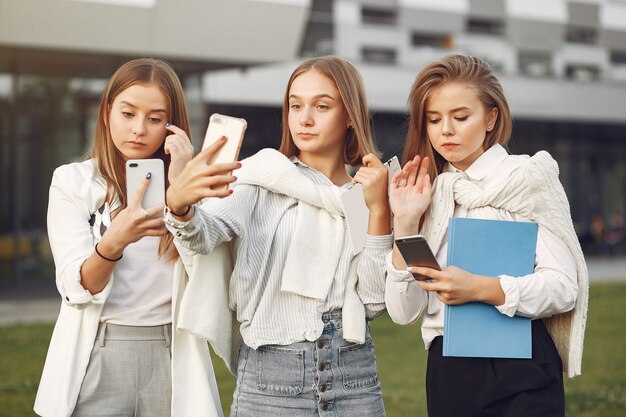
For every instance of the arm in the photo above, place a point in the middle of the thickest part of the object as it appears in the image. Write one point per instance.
(216, 221)
(550, 290)
(409, 198)
(81, 271)
(404, 298)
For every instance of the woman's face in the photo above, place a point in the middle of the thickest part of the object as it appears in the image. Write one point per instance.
(137, 120)
(317, 117)
(457, 123)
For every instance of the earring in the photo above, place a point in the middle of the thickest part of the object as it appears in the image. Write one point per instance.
(350, 127)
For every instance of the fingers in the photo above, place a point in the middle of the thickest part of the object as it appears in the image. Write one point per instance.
(412, 176)
(371, 160)
(175, 130)
(141, 190)
(429, 273)
(211, 152)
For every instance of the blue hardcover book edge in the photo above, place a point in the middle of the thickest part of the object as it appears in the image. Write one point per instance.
(492, 248)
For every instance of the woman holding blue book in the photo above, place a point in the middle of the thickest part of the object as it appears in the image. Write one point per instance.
(459, 125)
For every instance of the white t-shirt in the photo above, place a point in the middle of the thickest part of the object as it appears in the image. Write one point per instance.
(141, 294)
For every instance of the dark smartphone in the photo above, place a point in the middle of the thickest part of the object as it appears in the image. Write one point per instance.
(416, 252)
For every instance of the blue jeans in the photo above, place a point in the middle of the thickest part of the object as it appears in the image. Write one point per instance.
(328, 377)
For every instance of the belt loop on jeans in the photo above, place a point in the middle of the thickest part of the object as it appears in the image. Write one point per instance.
(166, 333)
(101, 332)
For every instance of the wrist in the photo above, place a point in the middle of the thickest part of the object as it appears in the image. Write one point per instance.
(175, 206)
(109, 249)
(405, 228)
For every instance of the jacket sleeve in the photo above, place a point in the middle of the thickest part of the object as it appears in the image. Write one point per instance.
(70, 234)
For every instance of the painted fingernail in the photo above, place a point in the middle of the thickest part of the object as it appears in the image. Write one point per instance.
(235, 178)
(167, 125)
(230, 191)
(238, 164)
(223, 138)
(149, 175)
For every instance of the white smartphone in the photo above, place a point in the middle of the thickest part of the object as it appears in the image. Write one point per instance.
(416, 252)
(136, 170)
(233, 128)
(393, 166)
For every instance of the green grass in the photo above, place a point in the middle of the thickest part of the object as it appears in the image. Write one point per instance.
(599, 392)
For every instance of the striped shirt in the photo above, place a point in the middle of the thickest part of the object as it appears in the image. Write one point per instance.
(260, 225)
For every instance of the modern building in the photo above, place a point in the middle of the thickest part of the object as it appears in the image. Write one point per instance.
(562, 63)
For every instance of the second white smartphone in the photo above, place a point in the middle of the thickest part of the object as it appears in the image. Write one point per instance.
(233, 128)
(136, 170)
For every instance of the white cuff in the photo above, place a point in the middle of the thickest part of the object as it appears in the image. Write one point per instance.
(510, 287)
(395, 274)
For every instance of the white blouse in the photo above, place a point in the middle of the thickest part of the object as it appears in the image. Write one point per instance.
(551, 289)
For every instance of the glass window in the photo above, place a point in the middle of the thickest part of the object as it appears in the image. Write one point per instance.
(535, 63)
(379, 55)
(485, 26)
(378, 16)
(582, 35)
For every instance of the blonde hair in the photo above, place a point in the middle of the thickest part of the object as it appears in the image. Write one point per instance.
(108, 158)
(358, 141)
(454, 68)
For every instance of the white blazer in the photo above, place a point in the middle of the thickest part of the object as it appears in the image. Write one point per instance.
(76, 193)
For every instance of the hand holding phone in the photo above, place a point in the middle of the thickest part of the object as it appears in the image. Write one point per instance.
(416, 252)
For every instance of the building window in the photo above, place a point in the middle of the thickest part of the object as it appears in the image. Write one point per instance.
(378, 16)
(379, 55)
(485, 26)
(435, 40)
(535, 64)
(618, 57)
(582, 35)
(582, 72)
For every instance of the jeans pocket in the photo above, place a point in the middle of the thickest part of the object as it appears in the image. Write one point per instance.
(357, 364)
(280, 371)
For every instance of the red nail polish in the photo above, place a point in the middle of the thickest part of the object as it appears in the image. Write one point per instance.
(230, 191)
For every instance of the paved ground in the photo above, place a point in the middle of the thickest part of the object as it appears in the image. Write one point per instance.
(39, 302)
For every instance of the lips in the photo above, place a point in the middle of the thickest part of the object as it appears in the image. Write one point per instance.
(134, 143)
(305, 134)
(449, 145)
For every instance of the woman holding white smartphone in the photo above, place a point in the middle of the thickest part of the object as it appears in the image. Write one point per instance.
(297, 295)
(110, 349)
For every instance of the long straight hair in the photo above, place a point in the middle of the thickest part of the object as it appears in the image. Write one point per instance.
(109, 159)
(454, 68)
(358, 140)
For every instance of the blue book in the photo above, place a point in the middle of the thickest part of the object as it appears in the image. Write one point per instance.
(491, 248)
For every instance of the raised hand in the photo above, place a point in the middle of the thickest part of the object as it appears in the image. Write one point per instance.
(179, 147)
(409, 196)
(373, 178)
(201, 179)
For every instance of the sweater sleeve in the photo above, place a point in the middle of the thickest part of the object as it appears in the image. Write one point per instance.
(371, 273)
(216, 221)
(404, 298)
(70, 234)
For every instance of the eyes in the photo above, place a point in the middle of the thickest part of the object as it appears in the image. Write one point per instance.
(435, 120)
(151, 119)
(296, 106)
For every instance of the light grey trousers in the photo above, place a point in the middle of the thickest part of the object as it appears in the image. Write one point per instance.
(129, 373)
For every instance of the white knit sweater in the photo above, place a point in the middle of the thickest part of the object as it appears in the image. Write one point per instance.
(532, 191)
